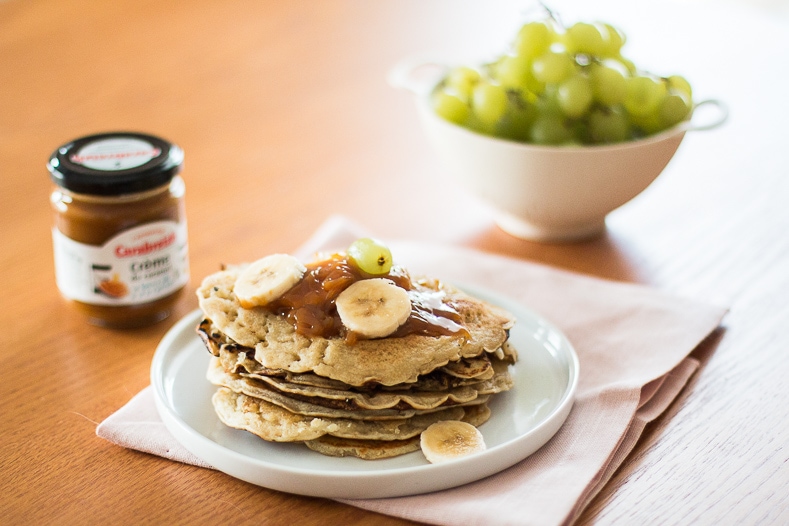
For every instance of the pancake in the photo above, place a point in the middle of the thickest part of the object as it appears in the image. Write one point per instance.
(315, 406)
(387, 361)
(238, 359)
(341, 394)
(379, 449)
(284, 393)
(420, 400)
(272, 422)
(364, 449)
(474, 367)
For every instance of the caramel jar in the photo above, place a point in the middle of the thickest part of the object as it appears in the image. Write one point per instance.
(119, 235)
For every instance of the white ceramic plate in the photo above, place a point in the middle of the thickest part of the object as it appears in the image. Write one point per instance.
(522, 421)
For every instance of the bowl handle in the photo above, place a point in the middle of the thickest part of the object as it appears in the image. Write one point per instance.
(417, 75)
(721, 114)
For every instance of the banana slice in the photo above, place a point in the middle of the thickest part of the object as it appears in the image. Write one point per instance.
(450, 439)
(373, 307)
(267, 279)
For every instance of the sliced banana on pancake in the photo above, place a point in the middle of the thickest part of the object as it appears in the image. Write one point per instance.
(450, 439)
(374, 308)
(267, 279)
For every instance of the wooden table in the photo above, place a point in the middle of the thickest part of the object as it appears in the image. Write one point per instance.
(285, 116)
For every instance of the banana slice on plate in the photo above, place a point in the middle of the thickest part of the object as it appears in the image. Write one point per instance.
(450, 439)
(374, 308)
(267, 279)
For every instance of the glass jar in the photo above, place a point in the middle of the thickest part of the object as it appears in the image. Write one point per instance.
(119, 234)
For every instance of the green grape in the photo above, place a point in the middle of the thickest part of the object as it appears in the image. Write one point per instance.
(608, 126)
(579, 129)
(552, 67)
(643, 95)
(548, 104)
(648, 123)
(475, 124)
(534, 39)
(574, 96)
(608, 84)
(513, 71)
(533, 85)
(371, 256)
(618, 64)
(672, 110)
(516, 123)
(628, 64)
(450, 107)
(583, 37)
(462, 80)
(613, 40)
(679, 83)
(489, 102)
(550, 130)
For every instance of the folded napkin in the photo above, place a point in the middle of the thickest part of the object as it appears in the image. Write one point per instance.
(633, 345)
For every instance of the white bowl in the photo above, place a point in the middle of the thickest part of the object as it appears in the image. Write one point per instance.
(546, 193)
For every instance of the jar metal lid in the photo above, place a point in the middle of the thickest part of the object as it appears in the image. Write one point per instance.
(115, 163)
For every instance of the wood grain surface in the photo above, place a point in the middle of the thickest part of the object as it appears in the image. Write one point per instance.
(286, 118)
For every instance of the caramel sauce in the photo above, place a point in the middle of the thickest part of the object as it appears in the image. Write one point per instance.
(93, 220)
(310, 304)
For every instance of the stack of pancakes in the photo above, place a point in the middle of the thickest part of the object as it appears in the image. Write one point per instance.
(370, 398)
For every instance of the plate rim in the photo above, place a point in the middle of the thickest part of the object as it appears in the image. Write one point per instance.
(392, 482)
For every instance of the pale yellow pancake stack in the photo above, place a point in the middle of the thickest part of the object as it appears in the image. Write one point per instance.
(370, 397)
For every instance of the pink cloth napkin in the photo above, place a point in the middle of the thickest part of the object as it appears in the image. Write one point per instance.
(633, 345)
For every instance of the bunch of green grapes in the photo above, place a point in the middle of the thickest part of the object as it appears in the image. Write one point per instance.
(558, 86)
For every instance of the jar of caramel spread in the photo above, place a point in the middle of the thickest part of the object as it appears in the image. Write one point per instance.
(119, 235)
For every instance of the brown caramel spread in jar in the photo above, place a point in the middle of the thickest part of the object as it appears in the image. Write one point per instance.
(310, 304)
(119, 235)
